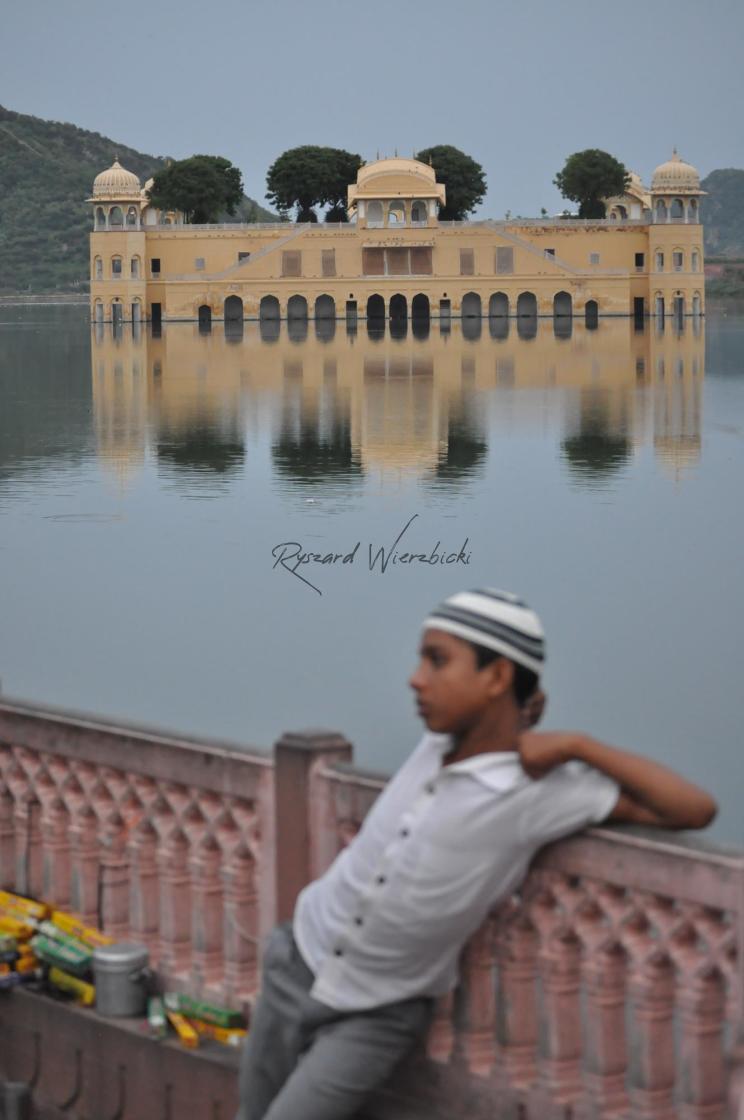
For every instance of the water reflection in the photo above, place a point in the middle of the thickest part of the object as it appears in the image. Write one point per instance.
(385, 399)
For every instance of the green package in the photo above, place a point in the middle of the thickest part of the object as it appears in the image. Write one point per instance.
(61, 955)
(207, 1012)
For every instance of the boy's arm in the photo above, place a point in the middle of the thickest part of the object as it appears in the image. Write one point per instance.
(650, 793)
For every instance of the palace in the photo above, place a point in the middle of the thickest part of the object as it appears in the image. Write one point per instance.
(394, 258)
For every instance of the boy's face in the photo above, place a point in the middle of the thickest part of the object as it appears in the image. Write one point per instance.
(452, 693)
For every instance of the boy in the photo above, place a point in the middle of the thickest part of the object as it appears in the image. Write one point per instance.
(349, 986)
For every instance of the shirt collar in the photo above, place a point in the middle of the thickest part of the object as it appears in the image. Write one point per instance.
(498, 770)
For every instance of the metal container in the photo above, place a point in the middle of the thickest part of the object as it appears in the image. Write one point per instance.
(122, 979)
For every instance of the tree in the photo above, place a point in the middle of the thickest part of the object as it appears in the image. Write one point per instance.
(462, 177)
(590, 176)
(311, 176)
(202, 187)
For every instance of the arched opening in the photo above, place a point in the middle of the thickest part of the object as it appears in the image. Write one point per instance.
(100, 218)
(420, 326)
(696, 304)
(134, 268)
(661, 210)
(297, 329)
(233, 309)
(419, 215)
(268, 329)
(268, 308)
(695, 260)
(659, 306)
(375, 216)
(679, 306)
(527, 305)
(98, 313)
(325, 307)
(325, 328)
(376, 307)
(136, 313)
(562, 305)
(205, 317)
(498, 306)
(132, 216)
(527, 327)
(692, 210)
(297, 307)
(116, 266)
(117, 313)
(677, 210)
(398, 307)
(498, 326)
(562, 326)
(397, 213)
(471, 326)
(116, 217)
(420, 307)
(591, 314)
(471, 306)
(98, 267)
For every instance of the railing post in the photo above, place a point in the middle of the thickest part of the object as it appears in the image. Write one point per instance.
(296, 755)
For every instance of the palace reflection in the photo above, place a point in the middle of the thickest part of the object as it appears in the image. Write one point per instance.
(343, 404)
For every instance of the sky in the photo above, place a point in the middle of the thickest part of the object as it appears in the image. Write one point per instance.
(517, 84)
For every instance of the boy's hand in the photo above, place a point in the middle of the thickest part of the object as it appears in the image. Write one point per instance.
(541, 751)
(533, 710)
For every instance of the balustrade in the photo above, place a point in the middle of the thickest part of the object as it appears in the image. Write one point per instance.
(608, 987)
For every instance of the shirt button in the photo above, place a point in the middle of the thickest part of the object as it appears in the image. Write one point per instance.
(338, 952)
(380, 878)
(429, 787)
(358, 921)
(405, 832)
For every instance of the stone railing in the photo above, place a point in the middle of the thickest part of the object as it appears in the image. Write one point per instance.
(609, 986)
(161, 840)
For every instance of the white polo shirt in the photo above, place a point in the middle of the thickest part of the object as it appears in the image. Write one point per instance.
(439, 848)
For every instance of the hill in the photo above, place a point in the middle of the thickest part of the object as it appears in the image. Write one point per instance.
(722, 213)
(46, 172)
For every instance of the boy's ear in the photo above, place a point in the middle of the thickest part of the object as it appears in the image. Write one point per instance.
(532, 711)
(502, 676)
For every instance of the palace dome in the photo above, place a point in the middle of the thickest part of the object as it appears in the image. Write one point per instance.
(116, 182)
(675, 176)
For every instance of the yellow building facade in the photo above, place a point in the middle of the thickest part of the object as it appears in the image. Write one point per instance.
(394, 258)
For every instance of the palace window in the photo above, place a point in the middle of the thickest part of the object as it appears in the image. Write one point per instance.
(116, 266)
(640, 260)
(416, 261)
(134, 268)
(594, 258)
(199, 264)
(695, 260)
(467, 262)
(292, 262)
(550, 252)
(504, 260)
(328, 262)
(99, 268)
(659, 262)
(243, 257)
(678, 260)
(155, 266)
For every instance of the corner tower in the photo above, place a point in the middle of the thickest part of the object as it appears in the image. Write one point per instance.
(676, 239)
(117, 247)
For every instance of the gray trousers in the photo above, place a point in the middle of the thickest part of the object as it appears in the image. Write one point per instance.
(303, 1060)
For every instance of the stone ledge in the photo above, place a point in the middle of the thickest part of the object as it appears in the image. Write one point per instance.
(83, 1067)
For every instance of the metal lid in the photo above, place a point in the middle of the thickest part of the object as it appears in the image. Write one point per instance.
(121, 955)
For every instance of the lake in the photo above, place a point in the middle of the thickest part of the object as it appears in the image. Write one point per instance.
(156, 494)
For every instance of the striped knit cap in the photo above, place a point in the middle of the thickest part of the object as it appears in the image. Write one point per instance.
(495, 619)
